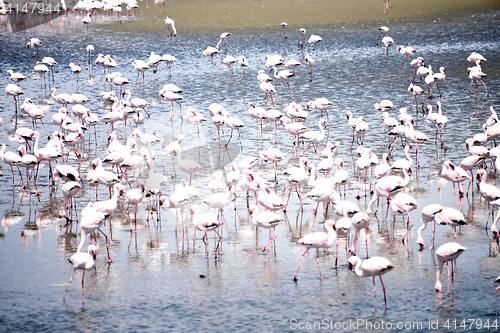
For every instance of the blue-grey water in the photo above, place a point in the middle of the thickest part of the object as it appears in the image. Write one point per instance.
(159, 281)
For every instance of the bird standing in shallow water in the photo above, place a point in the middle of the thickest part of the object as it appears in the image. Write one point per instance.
(318, 240)
(374, 266)
(446, 253)
(84, 261)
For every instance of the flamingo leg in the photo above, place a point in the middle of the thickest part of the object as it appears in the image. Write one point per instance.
(70, 279)
(300, 262)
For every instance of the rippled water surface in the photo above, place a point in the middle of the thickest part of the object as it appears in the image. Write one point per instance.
(161, 281)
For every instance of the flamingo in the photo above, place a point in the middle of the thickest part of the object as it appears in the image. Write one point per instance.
(173, 149)
(242, 61)
(292, 64)
(194, 118)
(223, 38)
(388, 186)
(210, 51)
(359, 221)
(169, 59)
(294, 129)
(415, 91)
(341, 176)
(403, 163)
(84, 261)
(270, 200)
(206, 222)
(358, 126)
(12, 159)
(188, 166)
(310, 63)
(383, 31)
(69, 190)
(34, 42)
(41, 70)
(268, 89)
(474, 57)
(48, 153)
(323, 191)
(263, 77)
(274, 155)
(297, 178)
(14, 91)
(452, 217)
(284, 25)
(446, 253)
(274, 60)
(76, 70)
(314, 39)
(283, 75)
(488, 191)
(404, 203)
(229, 61)
(415, 136)
(302, 35)
(320, 104)
(428, 215)
(439, 77)
(318, 240)
(29, 161)
(374, 266)
(314, 137)
(266, 220)
(326, 164)
(170, 26)
(388, 42)
(171, 97)
(16, 77)
(141, 67)
(406, 51)
(475, 74)
(454, 174)
(384, 105)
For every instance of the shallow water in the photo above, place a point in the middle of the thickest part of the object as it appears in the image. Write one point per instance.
(159, 280)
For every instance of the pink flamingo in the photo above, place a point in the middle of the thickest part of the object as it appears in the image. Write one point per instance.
(446, 253)
(294, 129)
(14, 91)
(488, 191)
(406, 51)
(388, 42)
(404, 203)
(452, 217)
(310, 63)
(320, 104)
(428, 215)
(12, 159)
(283, 75)
(374, 266)
(388, 187)
(383, 31)
(318, 240)
(210, 52)
(268, 89)
(266, 220)
(206, 222)
(454, 174)
(274, 155)
(84, 261)
(223, 38)
(16, 77)
(302, 35)
(284, 25)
